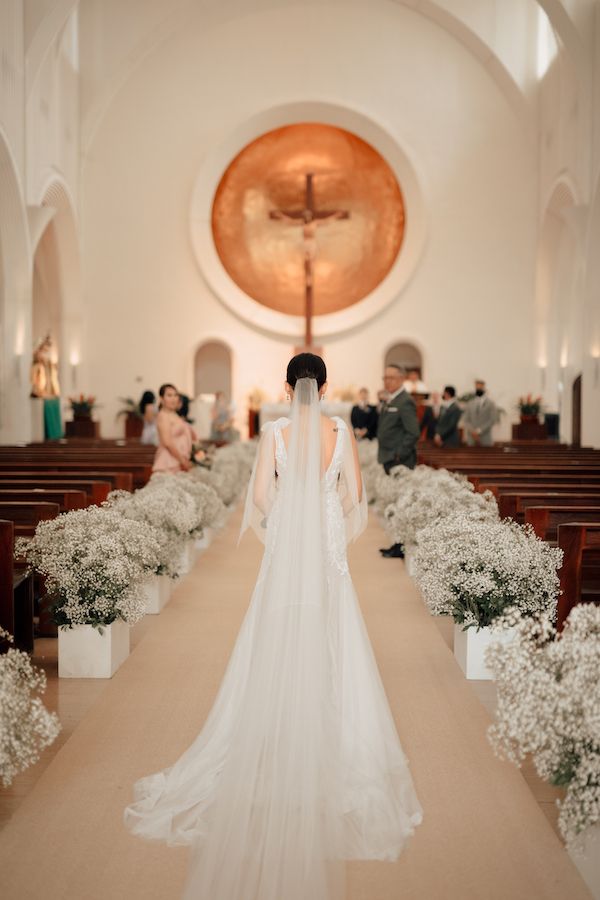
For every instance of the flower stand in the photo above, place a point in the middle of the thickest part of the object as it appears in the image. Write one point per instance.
(188, 557)
(206, 540)
(85, 653)
(409, 560)
(470, 647)
(588, 862)
(157, 592)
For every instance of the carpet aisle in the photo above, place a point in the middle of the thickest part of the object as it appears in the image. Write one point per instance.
(483, 837)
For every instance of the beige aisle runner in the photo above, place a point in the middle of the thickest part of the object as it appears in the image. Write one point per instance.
(483, 836)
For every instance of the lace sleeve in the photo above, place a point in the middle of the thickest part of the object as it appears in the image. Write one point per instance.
(262, 486)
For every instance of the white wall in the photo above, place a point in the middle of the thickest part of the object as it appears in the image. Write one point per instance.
(469, 303)
(39, 164)
(568, 328)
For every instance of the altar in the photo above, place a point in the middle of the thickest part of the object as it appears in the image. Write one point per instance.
(269, 412)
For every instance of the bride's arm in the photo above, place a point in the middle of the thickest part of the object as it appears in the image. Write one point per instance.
(357, 469)
(264, 478)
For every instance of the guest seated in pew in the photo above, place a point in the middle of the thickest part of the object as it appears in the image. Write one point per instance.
(148, 413)
(446, 430)
(431, 415)
(480, 416)
(364, 417)
(176, 436)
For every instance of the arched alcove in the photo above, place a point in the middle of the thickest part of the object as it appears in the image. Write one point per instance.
(559, 301)
(212, 369)
(57, 283)
(404, 354)
(45, 307)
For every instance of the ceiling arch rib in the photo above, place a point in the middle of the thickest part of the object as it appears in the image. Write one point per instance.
(214, 13)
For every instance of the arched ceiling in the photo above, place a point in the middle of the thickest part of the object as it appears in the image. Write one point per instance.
(484, 27)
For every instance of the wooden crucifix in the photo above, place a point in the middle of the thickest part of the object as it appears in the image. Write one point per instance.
(310, 218)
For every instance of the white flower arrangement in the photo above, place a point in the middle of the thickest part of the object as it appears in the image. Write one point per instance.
(387, 488)
(209, 506)
(147, 508)
(549, 707)
(425, 496)
(474, 569)
(26, 726)
(94, 560)
(371, 469)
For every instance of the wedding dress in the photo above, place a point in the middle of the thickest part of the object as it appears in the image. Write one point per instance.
(298, 766)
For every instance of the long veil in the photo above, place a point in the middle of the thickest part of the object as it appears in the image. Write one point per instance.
(275, 824)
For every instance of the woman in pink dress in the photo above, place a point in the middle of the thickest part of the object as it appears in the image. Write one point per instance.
(176, 436)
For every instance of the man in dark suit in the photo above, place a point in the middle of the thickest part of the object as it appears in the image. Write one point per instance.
(364, 417)
(446, 432)
(397, 432)
(431, 415)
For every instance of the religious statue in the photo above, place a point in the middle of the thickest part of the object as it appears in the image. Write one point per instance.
(44, 371)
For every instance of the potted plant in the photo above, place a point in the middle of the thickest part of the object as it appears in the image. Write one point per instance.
(548, 700)
(134, 421)
(530, 408)
(425, 496)
(26, 726)
(474, 570)
(82, 406)
(94, 561)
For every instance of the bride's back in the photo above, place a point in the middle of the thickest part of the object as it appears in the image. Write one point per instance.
(329, 429)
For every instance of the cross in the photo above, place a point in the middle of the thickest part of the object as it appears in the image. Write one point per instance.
(310, 218)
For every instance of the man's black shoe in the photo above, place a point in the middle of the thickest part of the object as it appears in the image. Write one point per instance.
(396, 551)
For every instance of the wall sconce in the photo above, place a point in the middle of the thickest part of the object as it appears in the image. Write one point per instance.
(596, 358)
(18, 366)
(74, 361)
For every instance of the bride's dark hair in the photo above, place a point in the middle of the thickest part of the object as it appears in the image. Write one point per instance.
(306, 365)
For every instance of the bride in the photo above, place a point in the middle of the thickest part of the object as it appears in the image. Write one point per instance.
(298, 766)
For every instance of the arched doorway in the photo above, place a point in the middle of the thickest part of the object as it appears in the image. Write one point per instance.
(576, 412)
(404, 354)
(212, 369)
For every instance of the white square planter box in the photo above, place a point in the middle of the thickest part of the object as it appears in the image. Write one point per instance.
(85, 653)
(588, 863)
(470, 647)
(188, 557)
(157, 592)
(206, 540)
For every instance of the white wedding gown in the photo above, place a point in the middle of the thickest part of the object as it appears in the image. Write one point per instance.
(298, 766)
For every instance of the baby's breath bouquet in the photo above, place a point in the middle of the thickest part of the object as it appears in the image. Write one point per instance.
(208, 504)
(549, 706)
(426, 496)
(387, 488)
(474, 570)
(371, 469)
(26, 726)
(94, 560)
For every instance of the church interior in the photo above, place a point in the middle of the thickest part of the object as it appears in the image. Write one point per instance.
(193, 191)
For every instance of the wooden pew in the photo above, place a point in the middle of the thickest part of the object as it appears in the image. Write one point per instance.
(580, 571)
(482, 482)
(95, 491)
(138, 472)
(26, 516)
(513, 504)
(66, 499)
(545, 520)
(119, 480)
(16, 594)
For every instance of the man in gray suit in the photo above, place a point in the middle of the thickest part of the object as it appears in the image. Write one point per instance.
(446, 430)
(397, 432)
(479, 418)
